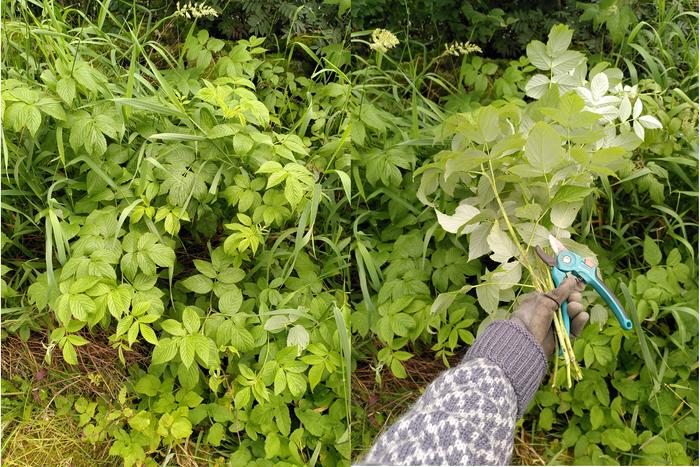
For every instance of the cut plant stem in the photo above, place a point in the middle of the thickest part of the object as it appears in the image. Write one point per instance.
(556, 368)
(559, 328)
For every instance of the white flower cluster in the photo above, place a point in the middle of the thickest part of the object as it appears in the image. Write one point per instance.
(383, 40)
(461, 48)
(194, 10)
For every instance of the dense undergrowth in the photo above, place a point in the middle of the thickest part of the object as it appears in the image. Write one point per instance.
(204, 241)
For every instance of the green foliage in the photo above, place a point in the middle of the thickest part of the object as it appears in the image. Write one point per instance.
(191, 211)
(241, 214)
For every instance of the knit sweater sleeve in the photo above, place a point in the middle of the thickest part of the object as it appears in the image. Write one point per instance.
(467, 415)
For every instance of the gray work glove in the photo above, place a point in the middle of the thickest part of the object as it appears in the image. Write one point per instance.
(537, 309)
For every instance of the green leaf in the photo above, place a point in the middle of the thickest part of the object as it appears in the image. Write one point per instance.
(543, 148)
(537, 54)
(69, 355)
(148, 385)
(205, 268)
(571, 193)
(402, 323)
(65, 88)
(190, 319)
(563, 215)
(148, 334)
(187, 350)
(597, 417)
(559, 39)
(162, 255)
(315, 375)
(501, 244)
(602, 354)
(298, 335)
(242, 397)
(140, 421)
(272, 446)
(546, 419)
(488, 297)
(164, 351)
(198, 283)
(398, 369)
(216, 434)
(77, 340)
(173, 327)
(652, 252)
(296, 384)
(230, 302)
(181, 428)
(616, 439)
(81, 306)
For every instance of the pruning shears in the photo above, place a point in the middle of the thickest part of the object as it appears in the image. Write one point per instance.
(586, 270)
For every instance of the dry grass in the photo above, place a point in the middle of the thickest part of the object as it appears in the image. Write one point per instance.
(99, 372)
(42, 437)
(51, 441)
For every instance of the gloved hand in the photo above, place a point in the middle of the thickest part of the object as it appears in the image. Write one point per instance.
(537, 309)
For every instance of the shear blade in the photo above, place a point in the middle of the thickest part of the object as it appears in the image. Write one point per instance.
(556, 245)
(550, 260)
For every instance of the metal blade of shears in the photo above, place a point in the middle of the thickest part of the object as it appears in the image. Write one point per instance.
(556, 245)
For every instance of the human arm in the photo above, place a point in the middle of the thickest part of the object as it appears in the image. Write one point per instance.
(467, 416)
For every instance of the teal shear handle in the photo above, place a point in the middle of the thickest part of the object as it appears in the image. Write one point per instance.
(586, 270)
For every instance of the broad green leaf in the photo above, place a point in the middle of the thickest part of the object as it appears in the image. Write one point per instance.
(162, 255)
(242, 397)
(488, 297)
(190, 319)
(458, 222)
(65, 88)
(571, 194)
(276, 323)
(315, 375)
(173, 327)
(559, 39)
(181, 428)
(81, 306)
(543, 148)
(501, 244)
(597, 417)
(563, 215)
(298, 335)
(272, 446)
(478, 241)
(164, 351)
(537, 54)
(205, 268)
(187, 350)
(230, 302)
(402, 323)
(69, 355)
(140, 421)
(537, 86)
(546, 419)
(296, 384)
(652, 252)
(216, 434)
(148, 334)
(199, 283)
(398, 369)
(147, 385)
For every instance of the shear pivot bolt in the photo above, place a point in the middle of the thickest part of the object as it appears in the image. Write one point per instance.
(566, 259)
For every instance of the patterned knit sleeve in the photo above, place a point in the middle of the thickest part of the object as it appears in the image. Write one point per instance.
(467, 415)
